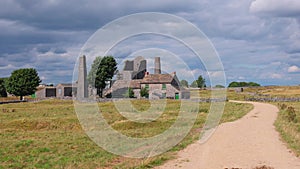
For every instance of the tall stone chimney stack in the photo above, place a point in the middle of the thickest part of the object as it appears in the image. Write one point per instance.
(82, 86)
(157, 68)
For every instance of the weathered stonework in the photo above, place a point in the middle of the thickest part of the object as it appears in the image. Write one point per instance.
(82, 85)
(135, 76)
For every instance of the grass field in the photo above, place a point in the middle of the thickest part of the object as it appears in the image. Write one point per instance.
(288, 124)
(270, 91)
(47, 134)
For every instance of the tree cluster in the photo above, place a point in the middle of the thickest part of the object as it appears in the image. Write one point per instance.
(243, 84)
(199, 83)
(184, 83)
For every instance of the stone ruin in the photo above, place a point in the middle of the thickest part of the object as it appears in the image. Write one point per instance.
(133, 69)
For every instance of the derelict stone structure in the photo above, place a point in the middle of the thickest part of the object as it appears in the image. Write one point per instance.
(133, 69)
(133, 72)
(45, 91)
(136, 77)
(82, 85)
(157, 67)
(61, 91)
(64, 90)
(79, 90)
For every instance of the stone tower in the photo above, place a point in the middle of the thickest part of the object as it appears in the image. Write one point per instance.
(82, 87)
(157, 68)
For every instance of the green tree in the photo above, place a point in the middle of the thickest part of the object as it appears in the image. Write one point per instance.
(105, 72)
(194, 84)
(23, 82)
(3, 92)
(201, 82)
(144, 93)
(92, 73)
(184, 83)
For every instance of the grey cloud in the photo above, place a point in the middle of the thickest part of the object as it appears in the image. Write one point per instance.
(60, 51)
(43, 49)
(48, 34)
(83, 14)
(282, 8)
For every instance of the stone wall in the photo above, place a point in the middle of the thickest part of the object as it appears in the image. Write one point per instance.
(156, 91)
(273, 99)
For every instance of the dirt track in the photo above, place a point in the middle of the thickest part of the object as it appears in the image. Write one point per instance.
(246, 143)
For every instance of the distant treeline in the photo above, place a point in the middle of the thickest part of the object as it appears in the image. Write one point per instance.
(243, 84)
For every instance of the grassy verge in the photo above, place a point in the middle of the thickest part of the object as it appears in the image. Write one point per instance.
(288, 124)
(48, 135)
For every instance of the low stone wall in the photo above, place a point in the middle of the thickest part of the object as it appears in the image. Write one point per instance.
(273, 99)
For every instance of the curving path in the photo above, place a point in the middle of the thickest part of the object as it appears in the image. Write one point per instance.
(246, 143)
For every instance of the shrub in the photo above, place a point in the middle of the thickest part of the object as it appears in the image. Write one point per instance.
(129, 93)
(282, 106)
(144, 93)
(291, 114)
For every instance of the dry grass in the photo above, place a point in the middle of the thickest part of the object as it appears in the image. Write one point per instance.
(48, 135)
(289, 129)
(287, 91)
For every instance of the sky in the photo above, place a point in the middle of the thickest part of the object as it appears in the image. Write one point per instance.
(256, 40)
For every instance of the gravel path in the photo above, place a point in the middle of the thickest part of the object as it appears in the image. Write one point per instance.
(246, 143)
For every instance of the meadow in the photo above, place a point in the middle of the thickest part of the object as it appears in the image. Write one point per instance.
(47, 134)
(288, 124)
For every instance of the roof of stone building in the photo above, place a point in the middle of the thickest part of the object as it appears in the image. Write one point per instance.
(135, 84)
(158, 78)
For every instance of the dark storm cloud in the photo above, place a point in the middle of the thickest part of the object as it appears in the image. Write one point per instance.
(83, 14)
(60, 51)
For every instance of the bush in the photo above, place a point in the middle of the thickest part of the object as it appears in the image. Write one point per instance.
(291, 114)
(129, 93)
(144, 93)
(282, 106)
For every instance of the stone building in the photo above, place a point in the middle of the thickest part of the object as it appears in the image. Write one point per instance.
(65, 90)
(135, 76)
(162, 86)
(58, 91)
(44, 91)
(78, 90)
(132, 73)
(133, 69)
